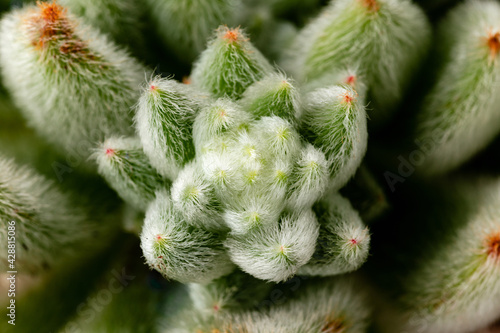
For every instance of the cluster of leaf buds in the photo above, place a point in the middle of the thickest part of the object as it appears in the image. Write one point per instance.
(244, 179)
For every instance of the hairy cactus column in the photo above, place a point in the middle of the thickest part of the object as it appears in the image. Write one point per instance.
(333, 305)
(384, 40)
(343, 242)
(46, 226)
(165, 115)
(460, 116)
(329, 306)
(178, 250)
(229, 64)
(122, 162)
(335, 120)
(447, 262)
(74, 87)
(275, 94)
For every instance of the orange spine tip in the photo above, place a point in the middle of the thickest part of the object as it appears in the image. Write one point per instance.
(347, 98)
(232, 35)
(52, 21)
(493, 246)
(51, 11)
(494, 44)
(372, 5)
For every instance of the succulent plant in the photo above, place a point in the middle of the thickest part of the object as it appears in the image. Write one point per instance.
(219, 166)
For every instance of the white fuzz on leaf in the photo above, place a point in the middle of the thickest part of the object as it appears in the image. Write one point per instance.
(164, 121)
(179, 251)
(309, 178)
(194, 197)
(275, 253)
(122, 162)
(343, 242)
(335, 120)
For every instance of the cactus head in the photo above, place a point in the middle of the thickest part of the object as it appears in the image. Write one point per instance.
(229, 64)
(53, 32)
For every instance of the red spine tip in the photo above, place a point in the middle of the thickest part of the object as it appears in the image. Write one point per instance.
(110, 152)
(351, 80)
(493, 245)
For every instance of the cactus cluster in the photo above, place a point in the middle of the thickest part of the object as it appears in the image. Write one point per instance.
(279, 166)
(244, 178)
